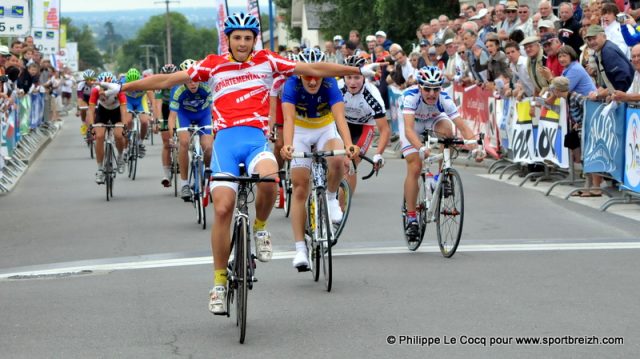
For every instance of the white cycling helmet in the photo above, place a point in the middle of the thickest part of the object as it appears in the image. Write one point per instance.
(186, 64)
(355, 61)
(311, 55)
(430, 76)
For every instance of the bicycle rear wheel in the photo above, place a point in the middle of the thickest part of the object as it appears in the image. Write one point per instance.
(174, 170)
(241, 261)
(203, 194)
(344, 196)
(195, 191)
(326, 240)
(107, 168)
(450, 212)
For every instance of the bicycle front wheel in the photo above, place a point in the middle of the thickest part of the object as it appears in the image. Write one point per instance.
(450, 212)
(241, 261)
(344, 198)
(287, 189)
(174, 170)
(108, 168)
(325, 240)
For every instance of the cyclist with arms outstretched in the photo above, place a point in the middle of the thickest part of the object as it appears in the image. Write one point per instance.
(240, 82)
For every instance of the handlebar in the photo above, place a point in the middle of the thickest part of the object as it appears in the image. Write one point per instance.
(319, 154)
(375, 167)
(139, 112)
(451, 141)
(254, 178)
(119, 125)
(193, 128)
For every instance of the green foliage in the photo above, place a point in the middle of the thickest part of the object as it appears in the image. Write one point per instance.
(284, 6)
(187, 41)
(89, 56)
(399, 19)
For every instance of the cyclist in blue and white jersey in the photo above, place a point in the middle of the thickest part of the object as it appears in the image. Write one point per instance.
(425, 106)
(190, 104)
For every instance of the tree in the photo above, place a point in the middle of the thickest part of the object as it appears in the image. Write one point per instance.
(89, 56)
(399, 20)
(187, 41)
(111, 39)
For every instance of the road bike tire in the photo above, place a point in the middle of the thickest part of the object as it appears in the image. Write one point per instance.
(91, 145)
(450, 213)
(313, 252)
(324, 248)
(287, 189)
(174, 170)
(107, 168)
(241, 261)
(136, 148)
(203, 194)
(344, 196)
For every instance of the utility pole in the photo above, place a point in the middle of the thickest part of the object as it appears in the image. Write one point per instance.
(168, 25)
(148, 55)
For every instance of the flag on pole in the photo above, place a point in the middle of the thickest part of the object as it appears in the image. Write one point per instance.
(254, 9)
(223, 45)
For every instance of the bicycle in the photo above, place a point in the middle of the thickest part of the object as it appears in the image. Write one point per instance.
(109, 162)
(441, 199)
(319, 231)
(175, 167)
(89, 140)
(134, 144)
(197, 172)
(241, 270)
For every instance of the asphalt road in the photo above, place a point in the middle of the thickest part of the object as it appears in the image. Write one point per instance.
(527, 266)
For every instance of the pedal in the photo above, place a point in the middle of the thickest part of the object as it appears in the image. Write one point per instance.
(225, 314)
(303, 268)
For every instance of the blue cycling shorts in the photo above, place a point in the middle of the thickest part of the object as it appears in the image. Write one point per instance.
(236, 145)
(200, 118)
(136, 104)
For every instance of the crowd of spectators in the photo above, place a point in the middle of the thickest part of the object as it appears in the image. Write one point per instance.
(24, 71)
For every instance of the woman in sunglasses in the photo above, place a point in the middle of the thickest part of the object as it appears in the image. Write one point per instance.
(313, 110)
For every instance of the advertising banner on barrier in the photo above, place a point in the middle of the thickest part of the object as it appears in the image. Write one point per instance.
(505, 124)
(603, 138)
(521, 135)
(632, 150)
(552, 126)
(478, 108)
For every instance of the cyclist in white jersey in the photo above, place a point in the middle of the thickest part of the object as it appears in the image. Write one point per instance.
(425, 106)
(364, 109)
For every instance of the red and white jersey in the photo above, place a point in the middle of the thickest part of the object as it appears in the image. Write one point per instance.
(241, 89)
(108, 102)
(276, 88)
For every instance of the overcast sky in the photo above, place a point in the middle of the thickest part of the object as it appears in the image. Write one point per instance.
(88, 5)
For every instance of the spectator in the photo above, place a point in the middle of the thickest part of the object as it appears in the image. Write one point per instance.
(484, 23)
(435, 28)
(4, 55)
(381, 38)
(536, 62)
(550, 46)
(535, 21)
(569, 32)
(497, 67)
(28, 42)
(614, 71)
(480, 5)
(381, 53)
(371, 47)
(500, 15)
(444, 28)
(477, 55)
(546, 27)
(511, 21)
(426, 32)
(517, 36)
(354, 37)
(66, 87)
(27, 55)
(451, 66)
(577, 11)
(633, 93)
(413, 60)
(403, 73)
(16, 48)
(520, 84)
(471, 12)
(579, 79)
(544, 8)
(330, 52)
(525, 22)
(441, 52)
(424, 53)
(612, 28)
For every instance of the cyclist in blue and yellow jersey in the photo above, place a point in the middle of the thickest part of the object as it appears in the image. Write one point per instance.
(190, 104)
(161, 113)
(313, 110)
(138, 101)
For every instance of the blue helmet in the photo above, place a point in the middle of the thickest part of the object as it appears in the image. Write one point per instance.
(241, 21)
(106, 77)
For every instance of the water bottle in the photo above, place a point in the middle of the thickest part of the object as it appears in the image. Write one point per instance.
(430, 182)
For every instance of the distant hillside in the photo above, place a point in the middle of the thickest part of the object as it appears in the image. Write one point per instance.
(128, 22)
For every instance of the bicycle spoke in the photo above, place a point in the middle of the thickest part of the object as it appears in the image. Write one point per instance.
(450, 213)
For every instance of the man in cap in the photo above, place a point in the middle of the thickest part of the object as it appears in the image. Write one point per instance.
(371, 46)
(484, 22)
(537, 61)
(381, 39)
(614, 71)
(550, 46)
(4, 55)
(338, 43)
(546, 27)
(569, 32)
(510, 22)
(424, 54)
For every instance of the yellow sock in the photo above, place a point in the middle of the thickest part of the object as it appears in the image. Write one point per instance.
(220, 277)
(259, 225)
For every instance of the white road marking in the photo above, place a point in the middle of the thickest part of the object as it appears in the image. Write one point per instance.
(60, 268)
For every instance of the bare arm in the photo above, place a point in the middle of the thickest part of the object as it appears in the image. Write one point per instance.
(157, 82)
(289, 114)
(385, 134)
(172, 121)
(91, 114)
(341, 123)
(273, 107)
(325, 69)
